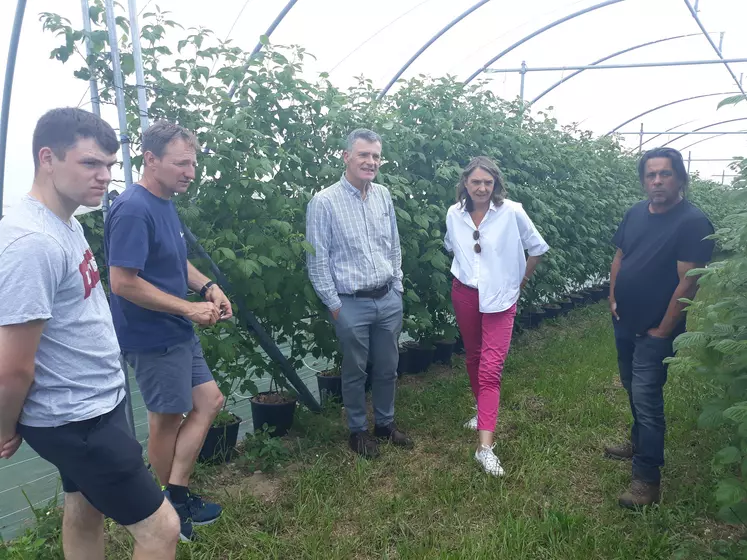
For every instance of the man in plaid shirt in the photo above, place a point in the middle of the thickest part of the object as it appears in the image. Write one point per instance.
(356, 270)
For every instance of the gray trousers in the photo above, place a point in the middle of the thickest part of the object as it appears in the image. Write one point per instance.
(366, 328)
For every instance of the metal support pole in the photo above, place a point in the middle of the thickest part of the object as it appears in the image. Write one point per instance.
(688, 133)
(723, 177)
(689, 161)
(137, 53)
(617, 66)
(640, 140)
(693, 12)
(10, 68)
(93, 87)
(523, 80)
(268, 33)
(702, 128)
(430, 41)
(119, 92)
(721, 43)
(124, 139)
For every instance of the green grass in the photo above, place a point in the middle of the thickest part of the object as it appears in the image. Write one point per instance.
(560, 404)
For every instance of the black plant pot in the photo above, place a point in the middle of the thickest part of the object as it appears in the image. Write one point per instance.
(279, 415)
(330, 387)
(565, 306)
(403, 365)
(459, 346)
(552, 310)
(536, 317)
(605, 289)
(444, 351)
(419, 358)
(577, 299)
(597, 294)
(220, 443)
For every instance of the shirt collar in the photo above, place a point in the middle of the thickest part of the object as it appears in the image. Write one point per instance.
(351, 189)
(492, 208)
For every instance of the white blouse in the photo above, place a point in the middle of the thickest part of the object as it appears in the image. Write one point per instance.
(497, 271)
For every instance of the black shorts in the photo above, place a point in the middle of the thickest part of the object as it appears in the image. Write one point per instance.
(101, 459)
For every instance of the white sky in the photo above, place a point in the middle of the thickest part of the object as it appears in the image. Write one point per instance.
(352, 37)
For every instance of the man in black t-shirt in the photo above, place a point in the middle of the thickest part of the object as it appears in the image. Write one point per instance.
(658, 242)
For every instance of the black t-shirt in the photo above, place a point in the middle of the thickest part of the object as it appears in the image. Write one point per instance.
(651, 245)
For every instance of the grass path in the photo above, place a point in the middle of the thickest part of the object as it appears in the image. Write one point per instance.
(560, 403)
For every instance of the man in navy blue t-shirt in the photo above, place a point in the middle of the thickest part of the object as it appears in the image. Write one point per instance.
(659, 240)
(150, 276)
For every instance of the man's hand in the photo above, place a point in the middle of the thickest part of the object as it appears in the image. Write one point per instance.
(204, 313)
(9, 447)
(613, 309)
(216, 296)
(657, 333)
(336, 313)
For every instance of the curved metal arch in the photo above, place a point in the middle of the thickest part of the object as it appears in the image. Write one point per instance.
(704, 127)
(719, 135)
(618, 127)
(640, 146)
(432, 40)
(539, 32)
(268, 33)
(608, 57)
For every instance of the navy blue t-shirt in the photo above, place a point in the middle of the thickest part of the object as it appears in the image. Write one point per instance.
(651, 245)
(143, 232)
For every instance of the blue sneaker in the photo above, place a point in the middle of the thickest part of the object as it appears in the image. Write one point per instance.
(186, 532)
(201, 512)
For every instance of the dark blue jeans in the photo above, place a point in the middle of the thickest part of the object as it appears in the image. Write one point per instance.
(643, 374)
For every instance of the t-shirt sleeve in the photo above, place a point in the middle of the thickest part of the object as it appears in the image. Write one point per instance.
(32, 268)
(128, 241)
(619, 238)
(691, 243)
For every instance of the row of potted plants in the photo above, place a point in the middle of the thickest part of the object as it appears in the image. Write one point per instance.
(533, 317)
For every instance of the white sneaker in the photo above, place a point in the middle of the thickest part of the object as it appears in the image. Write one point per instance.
(490, 463)
(471, 424)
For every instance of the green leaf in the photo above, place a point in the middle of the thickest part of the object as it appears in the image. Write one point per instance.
(711, 417)
(228, 253)
(730, 491)
(389, 125)
(737, 413)
(728, 456)
(735, 514)
(267, 262)
(308, 247)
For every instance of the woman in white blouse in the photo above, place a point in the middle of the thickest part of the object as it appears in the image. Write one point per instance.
(488, 236)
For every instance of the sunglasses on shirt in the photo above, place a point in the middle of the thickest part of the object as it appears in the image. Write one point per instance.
(476, 237)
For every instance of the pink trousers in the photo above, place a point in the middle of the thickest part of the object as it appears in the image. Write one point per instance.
(487, 338)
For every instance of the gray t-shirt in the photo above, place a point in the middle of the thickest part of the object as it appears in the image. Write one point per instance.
(48, 272)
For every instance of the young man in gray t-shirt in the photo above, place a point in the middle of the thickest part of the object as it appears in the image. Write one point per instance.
(61, 385)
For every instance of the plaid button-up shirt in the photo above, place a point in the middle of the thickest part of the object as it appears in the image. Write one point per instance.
(356, 241)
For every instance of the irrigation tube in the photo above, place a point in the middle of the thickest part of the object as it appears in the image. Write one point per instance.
(539, 32)
(15, 37)
(245, 315)
(432, 40)
(608, 57)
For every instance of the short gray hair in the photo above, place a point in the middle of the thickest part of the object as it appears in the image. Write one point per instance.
(161, 133)
(362, 134)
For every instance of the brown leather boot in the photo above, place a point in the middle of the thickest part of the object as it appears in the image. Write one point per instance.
(394, 435)
(621, 452)
(639, 494)
(364, 445)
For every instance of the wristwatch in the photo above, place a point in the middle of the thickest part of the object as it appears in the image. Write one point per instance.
(206, 287)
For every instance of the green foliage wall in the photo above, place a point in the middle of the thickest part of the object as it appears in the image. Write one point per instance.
(279, 139)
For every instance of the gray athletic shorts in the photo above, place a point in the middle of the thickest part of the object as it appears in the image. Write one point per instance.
(167, 376)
